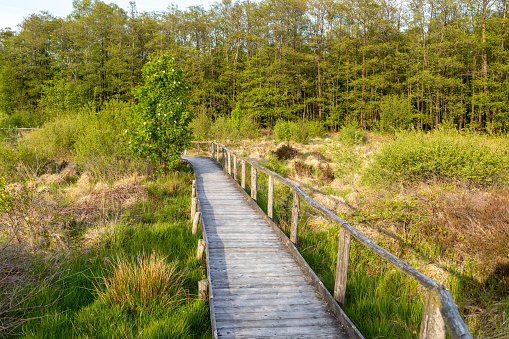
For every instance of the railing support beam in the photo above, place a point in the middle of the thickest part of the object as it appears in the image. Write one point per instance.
(243, 182)
(270, 198)
(342, 266)
(254, 183)
(432, 325)
(295, 218)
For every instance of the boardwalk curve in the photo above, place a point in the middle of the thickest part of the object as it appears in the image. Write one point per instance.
(257, 289)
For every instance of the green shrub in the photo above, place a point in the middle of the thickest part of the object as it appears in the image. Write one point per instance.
(56, 138)
(419, 156)
(282, 130)
(102, 145)
(224, 128)
(353, 135)
(7, 125)
(300, 131)
(201, 126)
(21, 162)
(397, 113)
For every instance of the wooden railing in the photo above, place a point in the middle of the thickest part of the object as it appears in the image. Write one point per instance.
(440, 312)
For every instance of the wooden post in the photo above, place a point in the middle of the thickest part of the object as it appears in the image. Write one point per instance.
(193, 190)
(254, 183)
(243, 182)
(201, 249)
(213, 151)
(224, 160)
(229, 163)
(196, 221)
(342, 266)
(235, 167)
(194, 206)
(295, 218)
(270, 203)
(203, 289)
(432, 325)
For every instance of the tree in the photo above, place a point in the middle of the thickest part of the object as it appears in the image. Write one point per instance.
(161, 117)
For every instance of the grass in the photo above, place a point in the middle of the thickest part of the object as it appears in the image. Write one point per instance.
(132, 268)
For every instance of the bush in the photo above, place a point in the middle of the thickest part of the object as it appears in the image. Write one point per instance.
(286, 152)
(56, 138)
(102, 145)
(300, 131)
(282, 130)
(147, 283)
(353, 135)
(21, 162)
(397, 113)
(7, 125)
(419, 156)
(224, 128)
(201, 126)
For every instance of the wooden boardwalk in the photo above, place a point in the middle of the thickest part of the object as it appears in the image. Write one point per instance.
(257, 289)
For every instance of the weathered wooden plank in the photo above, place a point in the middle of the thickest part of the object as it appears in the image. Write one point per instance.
(269, 255)
(309, 306)
(290, 336)
(277, 290)
(233, 269)
(278, 323)
(258, 283)
(299, 300)
(264, 239)
(245, 244)
(243, 275)
(276, 328)
(289, 313)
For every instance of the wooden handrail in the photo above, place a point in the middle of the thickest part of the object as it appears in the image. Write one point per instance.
(440, 313)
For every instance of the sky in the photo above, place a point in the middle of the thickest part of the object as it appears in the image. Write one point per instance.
(12, 12)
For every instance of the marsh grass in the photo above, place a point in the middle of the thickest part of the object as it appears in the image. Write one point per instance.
(145, 283)
(140, 294)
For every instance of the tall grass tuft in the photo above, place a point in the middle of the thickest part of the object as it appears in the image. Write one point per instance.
(147, 283)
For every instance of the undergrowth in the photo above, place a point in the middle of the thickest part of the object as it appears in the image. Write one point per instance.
(441, 155)
(113, 287)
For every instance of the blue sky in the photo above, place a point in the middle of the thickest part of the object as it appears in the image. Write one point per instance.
(12, 12)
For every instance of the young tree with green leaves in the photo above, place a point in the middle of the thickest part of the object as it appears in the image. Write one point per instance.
(161, 117)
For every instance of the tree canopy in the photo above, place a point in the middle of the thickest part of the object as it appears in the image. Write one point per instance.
(342, 61)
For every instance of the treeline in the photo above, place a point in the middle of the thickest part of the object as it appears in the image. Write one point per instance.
(377, 63)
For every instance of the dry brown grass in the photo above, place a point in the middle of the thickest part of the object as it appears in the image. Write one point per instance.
(101, 201)
(302, 169)
(33, 219)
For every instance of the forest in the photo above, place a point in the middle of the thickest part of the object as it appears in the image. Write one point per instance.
(378, 64)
